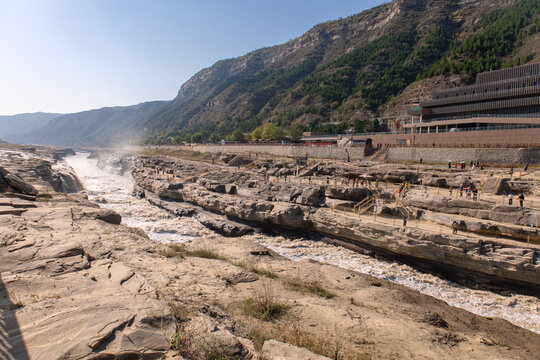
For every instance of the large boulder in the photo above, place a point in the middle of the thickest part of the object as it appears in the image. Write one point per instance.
(434, 180)
(346, 193)
(17, 183)
(313, 196)
(401, 176)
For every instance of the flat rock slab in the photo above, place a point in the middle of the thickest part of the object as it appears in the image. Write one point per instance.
(16, 203)
(21, 196)
(8, 210)
(276, 350)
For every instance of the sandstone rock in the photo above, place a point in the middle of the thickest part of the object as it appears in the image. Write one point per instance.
(223, 226)
(61, 251)
(401, 176)
(276, 350)
(119, 273)
(8, 210)
(347, 193)
(106, 215)
(19, 184)
(230, 189)
(312, 196)
(434, 180)
(4, 186)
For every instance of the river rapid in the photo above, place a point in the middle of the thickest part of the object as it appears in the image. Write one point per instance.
(114, 192)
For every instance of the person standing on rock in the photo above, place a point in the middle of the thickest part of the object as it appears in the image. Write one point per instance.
(404, 220)
(510, 199)
(450, 191)
(521, 199)
(454, 227)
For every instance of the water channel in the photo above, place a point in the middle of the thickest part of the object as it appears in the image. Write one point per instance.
(114, 191)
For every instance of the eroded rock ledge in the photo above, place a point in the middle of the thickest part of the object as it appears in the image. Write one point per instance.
(242, 195)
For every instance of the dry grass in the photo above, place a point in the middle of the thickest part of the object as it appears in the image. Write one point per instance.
(329, 345)
(263, 305)
(204, 253)
(256, 270)
(180, 251)
(195, 347)
(312, 287)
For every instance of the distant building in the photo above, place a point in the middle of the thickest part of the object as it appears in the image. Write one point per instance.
(499, 100)
(501, 109)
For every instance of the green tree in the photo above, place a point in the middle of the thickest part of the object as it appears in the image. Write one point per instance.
(295, 133)
(214, 138)
(197, 138)
(268, 130)
(256, 134)
(277, 133)
(237, 135)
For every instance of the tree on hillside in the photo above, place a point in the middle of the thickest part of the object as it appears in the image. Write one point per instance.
(197, 138)
(267, 130)
(237, 135)
(295, 133)
(256, 134)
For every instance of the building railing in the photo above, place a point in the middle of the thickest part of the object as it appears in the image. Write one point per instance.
(498, 127)
(517, 89)
(474, 116)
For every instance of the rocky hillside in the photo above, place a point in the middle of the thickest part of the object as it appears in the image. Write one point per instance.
(101, 127)
(342, 73)
(13, 125)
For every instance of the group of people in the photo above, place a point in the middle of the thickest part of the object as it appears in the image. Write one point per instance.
(521, 199)
(403, 189)
(470, 193)
(463, 164)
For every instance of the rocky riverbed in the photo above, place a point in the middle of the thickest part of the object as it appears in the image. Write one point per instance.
(366, 219)
(76, 284)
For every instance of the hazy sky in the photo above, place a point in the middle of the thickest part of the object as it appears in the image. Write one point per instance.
(73, 55)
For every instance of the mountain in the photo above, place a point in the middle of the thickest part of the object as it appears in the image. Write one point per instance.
(341, 74)
(109, 126)
(21, 123)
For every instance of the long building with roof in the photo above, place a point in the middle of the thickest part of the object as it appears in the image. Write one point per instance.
(502, 108)
(507, 99)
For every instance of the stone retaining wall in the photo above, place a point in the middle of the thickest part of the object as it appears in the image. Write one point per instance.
(486, 156)
(325, 152)
(438, 155)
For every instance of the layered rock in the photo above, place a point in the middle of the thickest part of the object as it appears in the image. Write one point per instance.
(30, 171)
(270, 203)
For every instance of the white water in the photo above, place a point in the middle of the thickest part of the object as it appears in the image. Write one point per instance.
(114, 191)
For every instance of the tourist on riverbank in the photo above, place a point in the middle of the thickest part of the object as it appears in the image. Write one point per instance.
(521, 199)
(454, 227)
(510, 199)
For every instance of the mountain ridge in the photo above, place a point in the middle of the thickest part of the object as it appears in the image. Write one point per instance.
(13, 125)
(342, 73)
(107, 126)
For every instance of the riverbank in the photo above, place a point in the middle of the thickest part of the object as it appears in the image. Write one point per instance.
(80, 284)
(362, 207)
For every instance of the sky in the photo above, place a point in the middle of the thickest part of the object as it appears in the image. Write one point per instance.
(66, 56)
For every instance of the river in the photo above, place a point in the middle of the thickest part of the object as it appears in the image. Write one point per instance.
(114, 191)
